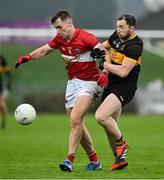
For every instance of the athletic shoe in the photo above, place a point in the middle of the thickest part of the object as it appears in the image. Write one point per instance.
(120, 161)
(121, 151)
(66, 166)
(119, 165)
(93, 166)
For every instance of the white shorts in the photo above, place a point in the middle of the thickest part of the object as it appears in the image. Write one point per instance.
(77, 87)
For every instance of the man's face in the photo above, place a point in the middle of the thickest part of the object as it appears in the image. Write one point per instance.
(63, 27)
(123, 29)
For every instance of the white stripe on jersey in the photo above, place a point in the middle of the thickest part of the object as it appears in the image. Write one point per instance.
(98, 45)
(68, 57)
(85, 57)
(49, 47)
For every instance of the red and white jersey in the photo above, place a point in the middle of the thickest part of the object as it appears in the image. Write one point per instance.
(76, 54)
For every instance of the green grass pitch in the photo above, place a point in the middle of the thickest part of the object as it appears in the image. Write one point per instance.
(34, 151)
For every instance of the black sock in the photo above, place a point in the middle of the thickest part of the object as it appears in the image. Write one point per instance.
(119, 142)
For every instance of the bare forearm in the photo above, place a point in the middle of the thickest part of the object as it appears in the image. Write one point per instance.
(40, 52)
(118, 70)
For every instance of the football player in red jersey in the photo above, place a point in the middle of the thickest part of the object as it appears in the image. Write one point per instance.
(84, 82)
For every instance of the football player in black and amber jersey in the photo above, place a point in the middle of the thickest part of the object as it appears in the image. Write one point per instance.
(122, 65)
(4, 69)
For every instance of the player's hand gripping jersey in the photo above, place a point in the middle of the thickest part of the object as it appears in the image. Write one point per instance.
(76, 54)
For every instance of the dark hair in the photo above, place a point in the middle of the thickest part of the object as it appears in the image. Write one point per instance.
(62, 14)
(130, 20)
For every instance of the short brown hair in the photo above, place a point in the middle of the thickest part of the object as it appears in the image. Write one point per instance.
(130, 20)
(62, 14)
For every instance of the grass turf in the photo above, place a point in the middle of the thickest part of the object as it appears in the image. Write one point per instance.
(34, 151)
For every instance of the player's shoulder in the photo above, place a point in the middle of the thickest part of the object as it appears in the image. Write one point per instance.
(56, 38)
(84, 33)
(137, 41)
(134, 46)
(87, 38)
(114, 35)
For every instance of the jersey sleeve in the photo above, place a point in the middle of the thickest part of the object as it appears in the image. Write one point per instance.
(134, 51)
(91, 41)
(54, 43)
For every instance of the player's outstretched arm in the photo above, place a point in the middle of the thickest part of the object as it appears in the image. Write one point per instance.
(36, 54)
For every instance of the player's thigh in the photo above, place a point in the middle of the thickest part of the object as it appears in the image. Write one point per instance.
(111, 106)
(116, 115)
(68, 111)
(81, 107)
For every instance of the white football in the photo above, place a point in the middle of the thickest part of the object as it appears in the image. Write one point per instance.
(25, 114)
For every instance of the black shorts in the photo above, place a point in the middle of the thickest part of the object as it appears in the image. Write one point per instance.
(124, 93)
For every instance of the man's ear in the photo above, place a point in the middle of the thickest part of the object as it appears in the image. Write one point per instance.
(132, 28)
(70, 22)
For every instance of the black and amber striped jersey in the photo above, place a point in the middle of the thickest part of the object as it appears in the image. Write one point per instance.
(130, 49)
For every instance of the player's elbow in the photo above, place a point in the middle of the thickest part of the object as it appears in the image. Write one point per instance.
(124, 73)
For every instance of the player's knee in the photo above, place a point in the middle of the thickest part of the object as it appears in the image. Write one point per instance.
(75, 120)
(100, 118)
